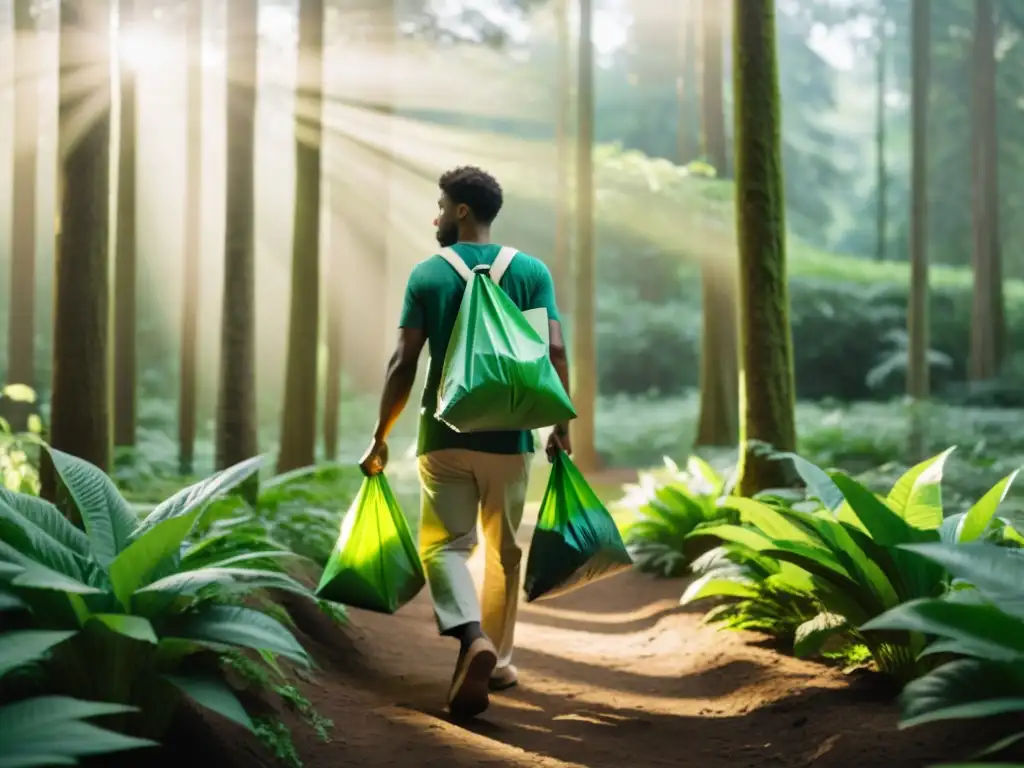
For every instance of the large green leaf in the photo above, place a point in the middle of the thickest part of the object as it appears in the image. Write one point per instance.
(135, 627)
(976, 521)
(980, 629)
(37, 544)
(966, 688)
(716, 585)
(23, 646)
(50, 730)
(49, 519)
(917, 495)
(197, 495)
(819, 485)
(107, 518)
(737, 534)
(133, 566)
(230, 625)
(37, 576)
(997, 572)
(813, 633)
(214, 694)
(9, 602)
(855, 559)
(883, 524)
(768, 521)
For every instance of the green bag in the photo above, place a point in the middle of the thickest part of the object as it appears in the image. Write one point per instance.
(497, 373)
(576, 541)
(375, 565)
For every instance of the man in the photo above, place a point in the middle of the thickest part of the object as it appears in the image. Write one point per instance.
(463, 474)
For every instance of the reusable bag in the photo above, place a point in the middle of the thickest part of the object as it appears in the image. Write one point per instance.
(497, 374)
(576, 541)
(375, 564)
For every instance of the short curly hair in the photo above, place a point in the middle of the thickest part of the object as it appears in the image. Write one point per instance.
(475, 188)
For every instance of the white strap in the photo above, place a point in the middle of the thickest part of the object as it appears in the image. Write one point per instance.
(449, 255)
(501, 262)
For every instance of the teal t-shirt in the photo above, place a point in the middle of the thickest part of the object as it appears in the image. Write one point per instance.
(432, 299)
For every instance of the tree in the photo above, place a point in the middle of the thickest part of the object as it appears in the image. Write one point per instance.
(562, 271)
(881, 172)
(80, 400)
(766, 344)
(125, 263)
(687, 142)
(21, 326)
(188, 368)
(712, 105)
(988, 324)
(298, 422)
(236, 406)
(584, 366)
(917, 311)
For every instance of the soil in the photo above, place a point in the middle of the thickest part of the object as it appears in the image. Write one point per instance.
(615, 674)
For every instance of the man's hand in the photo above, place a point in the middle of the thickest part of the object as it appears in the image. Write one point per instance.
(375, 458)
(558, 440)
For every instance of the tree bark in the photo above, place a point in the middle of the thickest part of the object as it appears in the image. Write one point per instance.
(987, 317)
(21, 325)
(881, 172)
(236, 407)
(718, 423)
(188, 369)
(917, 312)
(766, 345)
(80, 401)
(298, 423)
(584, 347)
(333, 300)
(125, 265)
(713, 107)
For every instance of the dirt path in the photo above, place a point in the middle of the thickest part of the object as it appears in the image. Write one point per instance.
(613, 675)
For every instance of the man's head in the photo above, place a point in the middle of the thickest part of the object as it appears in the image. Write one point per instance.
(470, 200)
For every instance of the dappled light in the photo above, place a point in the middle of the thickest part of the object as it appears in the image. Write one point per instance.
(542, 383)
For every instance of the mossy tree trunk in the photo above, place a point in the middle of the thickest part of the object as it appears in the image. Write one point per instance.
(712, 104)
(125, 263)
(236, 407)
(767, 386)
(188, 368)
(584, 344)
(988, 324)
(21, 323)
(298, 422)
(80, 399)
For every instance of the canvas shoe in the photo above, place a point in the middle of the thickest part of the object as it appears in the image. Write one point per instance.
(468, 696)
(504, 677)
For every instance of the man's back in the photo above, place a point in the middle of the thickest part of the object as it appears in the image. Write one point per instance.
(432, 300)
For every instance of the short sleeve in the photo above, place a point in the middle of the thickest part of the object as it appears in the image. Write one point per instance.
(412, 307)
(543, 294)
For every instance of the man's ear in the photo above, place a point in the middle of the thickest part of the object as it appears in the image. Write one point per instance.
(461, 211)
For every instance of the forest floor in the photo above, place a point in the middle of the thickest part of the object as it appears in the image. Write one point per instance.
(612, 675)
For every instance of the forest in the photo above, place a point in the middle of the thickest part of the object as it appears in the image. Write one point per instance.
(788, 253)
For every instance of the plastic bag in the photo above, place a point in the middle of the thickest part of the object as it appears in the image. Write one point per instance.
(576, 541)
(375, 564)
(497, 373)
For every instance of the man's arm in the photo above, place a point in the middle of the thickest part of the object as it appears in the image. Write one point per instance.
(560, 361)
(544, 297)
(399, 380)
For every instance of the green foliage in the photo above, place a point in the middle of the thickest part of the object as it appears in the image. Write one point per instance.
(658, 513)
(845, 553)
(19, 450)
(139, 610)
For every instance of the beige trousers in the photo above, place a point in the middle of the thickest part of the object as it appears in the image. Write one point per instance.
(458, 486)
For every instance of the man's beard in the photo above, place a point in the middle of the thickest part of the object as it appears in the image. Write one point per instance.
(448, 236)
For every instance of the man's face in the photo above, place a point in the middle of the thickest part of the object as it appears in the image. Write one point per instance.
(447, 221)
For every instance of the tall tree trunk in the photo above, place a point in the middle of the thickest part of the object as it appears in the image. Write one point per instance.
(80, 401)
(712, 106)
(298, 423)
(987, 316)
(767, 378)
(125, 266)
(917, 313)
(584, 366)
(333, 299)
(21, 326)
(188, 368)
(236, 407)
(881, 172)
(562, 272)
(718, 423)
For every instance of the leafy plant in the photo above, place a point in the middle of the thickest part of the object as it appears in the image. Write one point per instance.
(49, 730)
(660, 512)
(848, 558)
(139, 612)
(19, 450)
(980, 623)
